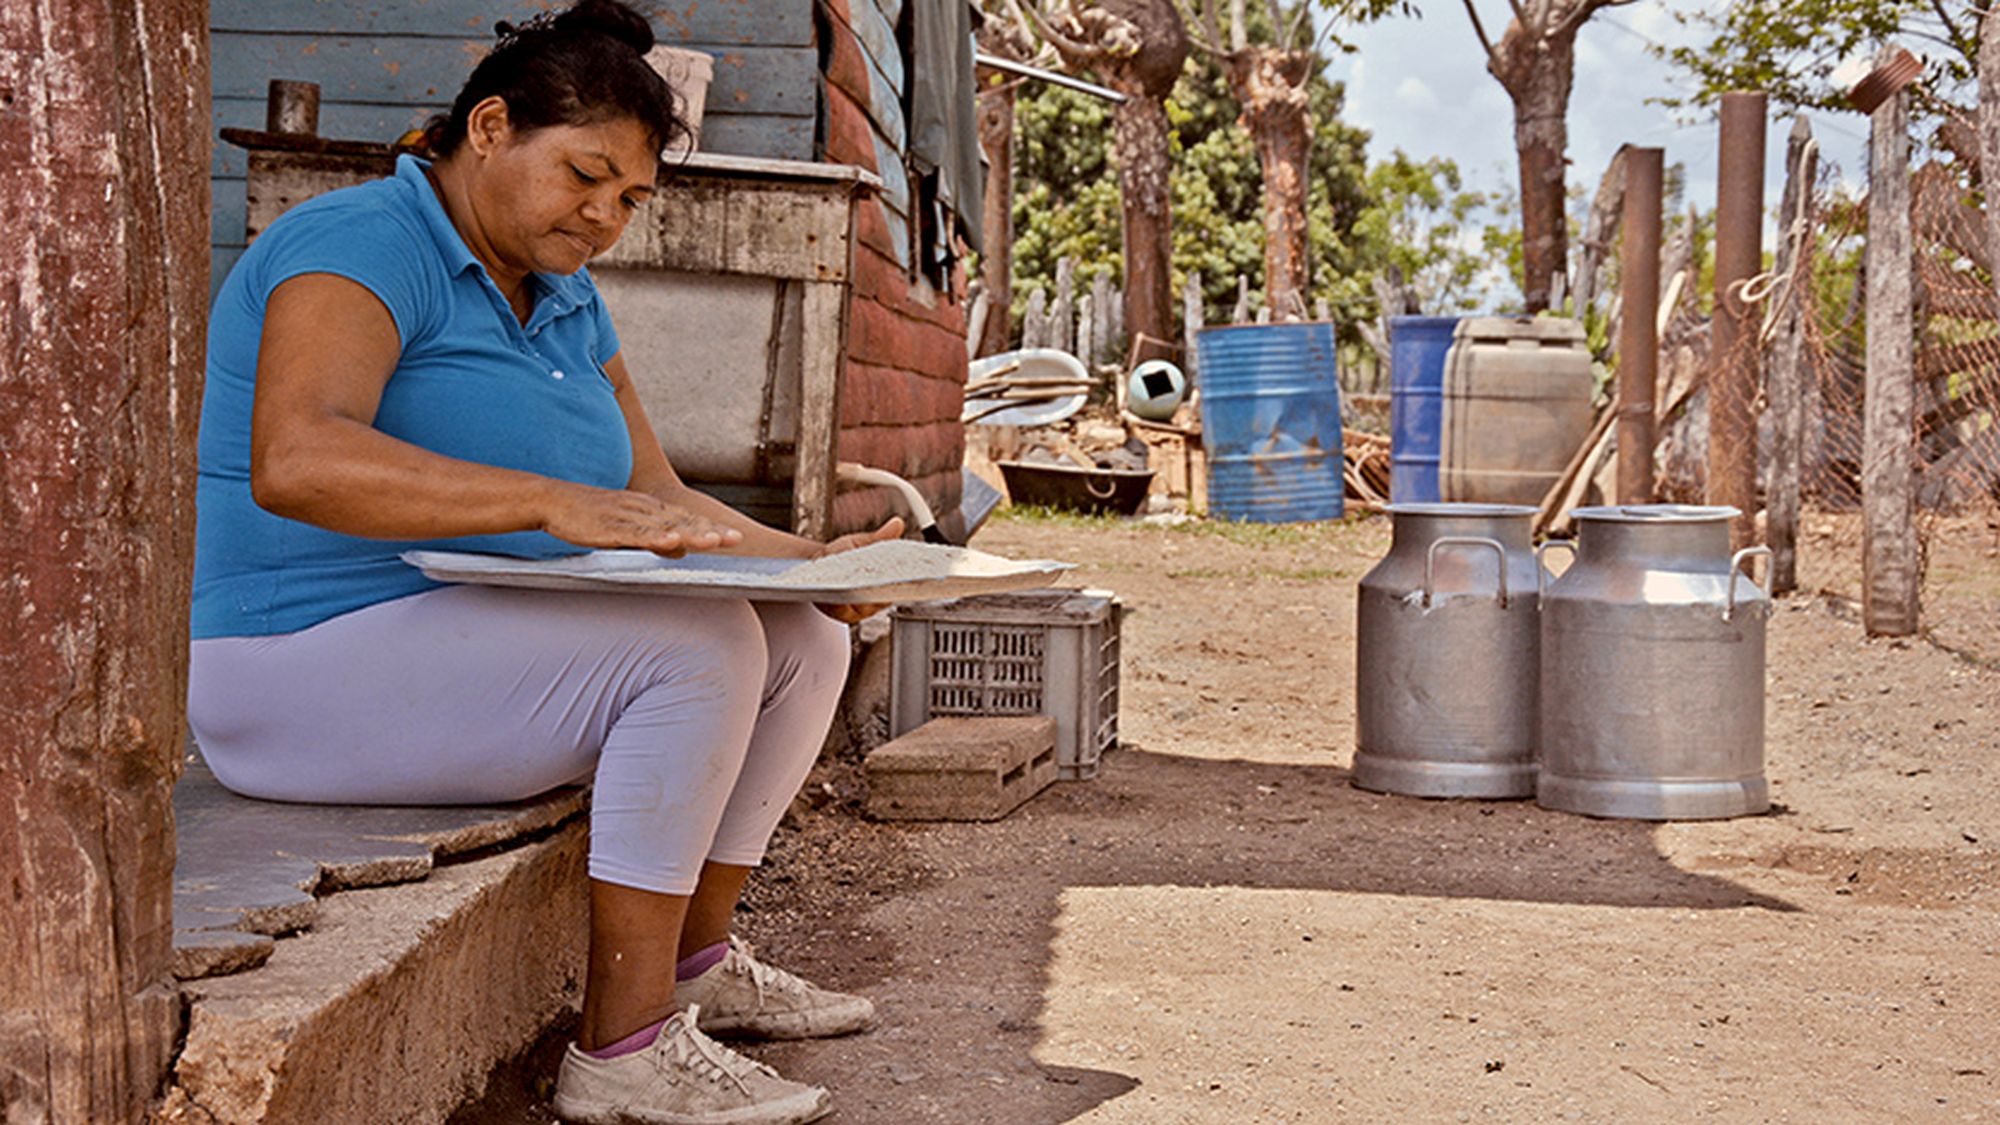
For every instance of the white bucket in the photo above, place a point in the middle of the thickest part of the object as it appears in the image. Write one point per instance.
(688, 74)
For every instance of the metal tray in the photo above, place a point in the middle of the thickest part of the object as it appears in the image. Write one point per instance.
(923, 572)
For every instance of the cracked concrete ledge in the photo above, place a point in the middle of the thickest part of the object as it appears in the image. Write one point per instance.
(397, 1003)
(248, 871)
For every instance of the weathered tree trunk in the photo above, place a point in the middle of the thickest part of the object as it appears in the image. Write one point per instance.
(1138, 47)
(1147, 219)
(1270, 85)
(1537, 69)
(104, 112)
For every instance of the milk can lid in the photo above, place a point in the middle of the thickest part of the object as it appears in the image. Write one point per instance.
(1658, 513)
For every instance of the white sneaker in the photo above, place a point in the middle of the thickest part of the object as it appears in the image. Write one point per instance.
(682, 1078)
(741, 995)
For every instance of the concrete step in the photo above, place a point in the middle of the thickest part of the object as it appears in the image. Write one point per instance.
(366, 964)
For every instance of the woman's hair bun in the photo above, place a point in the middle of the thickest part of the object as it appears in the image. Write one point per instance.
(608, 17)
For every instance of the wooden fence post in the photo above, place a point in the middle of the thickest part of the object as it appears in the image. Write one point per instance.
(104, 157)
(1786, 377)
(1888, 538)
(1062, 315)
(1989, 128)
(1193, 319)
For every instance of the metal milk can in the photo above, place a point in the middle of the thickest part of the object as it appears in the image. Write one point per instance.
(1446, 665)
(1652, 688)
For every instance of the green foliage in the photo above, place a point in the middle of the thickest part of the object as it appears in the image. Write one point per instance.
(1066, 201)
(1791, 48)
(1419, 219)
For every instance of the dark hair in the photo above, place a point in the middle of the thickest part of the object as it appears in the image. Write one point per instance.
(579, 66)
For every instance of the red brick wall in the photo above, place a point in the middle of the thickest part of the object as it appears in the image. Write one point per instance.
(904, 382)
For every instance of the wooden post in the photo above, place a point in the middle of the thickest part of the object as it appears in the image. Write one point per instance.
(1101, 298)
(1638, 330)
(1888, 538)
(1733, 358)
(1989, 128)
(1062, 315)
(996, 222)
(1193, 319)
(104, 151)
(1035, 320)
(1785, 381)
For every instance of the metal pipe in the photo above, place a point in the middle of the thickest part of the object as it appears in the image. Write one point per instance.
(920, 509)
(1733, 355)
(1035, 72)
(1638, 335)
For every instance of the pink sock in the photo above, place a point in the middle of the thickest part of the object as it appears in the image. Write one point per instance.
(700, 962)
(630, 1043)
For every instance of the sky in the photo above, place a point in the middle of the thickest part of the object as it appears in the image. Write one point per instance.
(1421, 85)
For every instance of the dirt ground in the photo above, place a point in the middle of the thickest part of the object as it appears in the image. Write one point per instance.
(1219, 928)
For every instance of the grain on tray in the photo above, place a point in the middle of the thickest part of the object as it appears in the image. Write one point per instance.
(901, 560)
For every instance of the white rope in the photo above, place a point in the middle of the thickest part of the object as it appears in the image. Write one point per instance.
(1768, 286)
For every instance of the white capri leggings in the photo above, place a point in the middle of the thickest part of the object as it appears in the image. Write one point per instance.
(696, 718)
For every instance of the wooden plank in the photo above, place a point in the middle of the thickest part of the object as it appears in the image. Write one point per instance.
(776, 138)
(741, 227)
(875, 30)
(824, 347)
(414, 70)
(775, 81)
(226, 211)
(739, 22)
(1889, 593)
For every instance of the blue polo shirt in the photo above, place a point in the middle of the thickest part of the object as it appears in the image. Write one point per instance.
(472, 383)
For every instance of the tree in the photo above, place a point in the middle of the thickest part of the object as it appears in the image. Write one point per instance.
(1137, 47)
(1535, 62)
(1793, 48)
(1066, 197)
(1270, 63)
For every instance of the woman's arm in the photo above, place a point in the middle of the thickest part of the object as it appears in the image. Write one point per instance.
(328, 349)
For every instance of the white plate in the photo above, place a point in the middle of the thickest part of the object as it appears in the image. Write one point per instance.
(1031, 365)
(878, 574)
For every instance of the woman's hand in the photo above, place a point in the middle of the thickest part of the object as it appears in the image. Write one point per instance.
(855, 614)
(599, 517)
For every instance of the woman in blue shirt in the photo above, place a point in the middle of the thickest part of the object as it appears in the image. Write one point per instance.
(423, 361)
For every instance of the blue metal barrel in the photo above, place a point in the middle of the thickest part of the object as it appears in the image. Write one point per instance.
(1270, 420)
(1417, 349)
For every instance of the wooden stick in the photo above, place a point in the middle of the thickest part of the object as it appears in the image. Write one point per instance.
(1554, 499)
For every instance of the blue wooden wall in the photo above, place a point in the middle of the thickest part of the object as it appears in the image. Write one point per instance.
(385, 66)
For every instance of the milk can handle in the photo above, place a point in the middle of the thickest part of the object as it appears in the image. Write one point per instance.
(1430, 557)
(1542, 572)
(1736, 562)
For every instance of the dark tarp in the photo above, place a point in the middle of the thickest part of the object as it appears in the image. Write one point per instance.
(944, 122)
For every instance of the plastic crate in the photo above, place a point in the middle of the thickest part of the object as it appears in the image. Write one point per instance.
(1046, 652)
